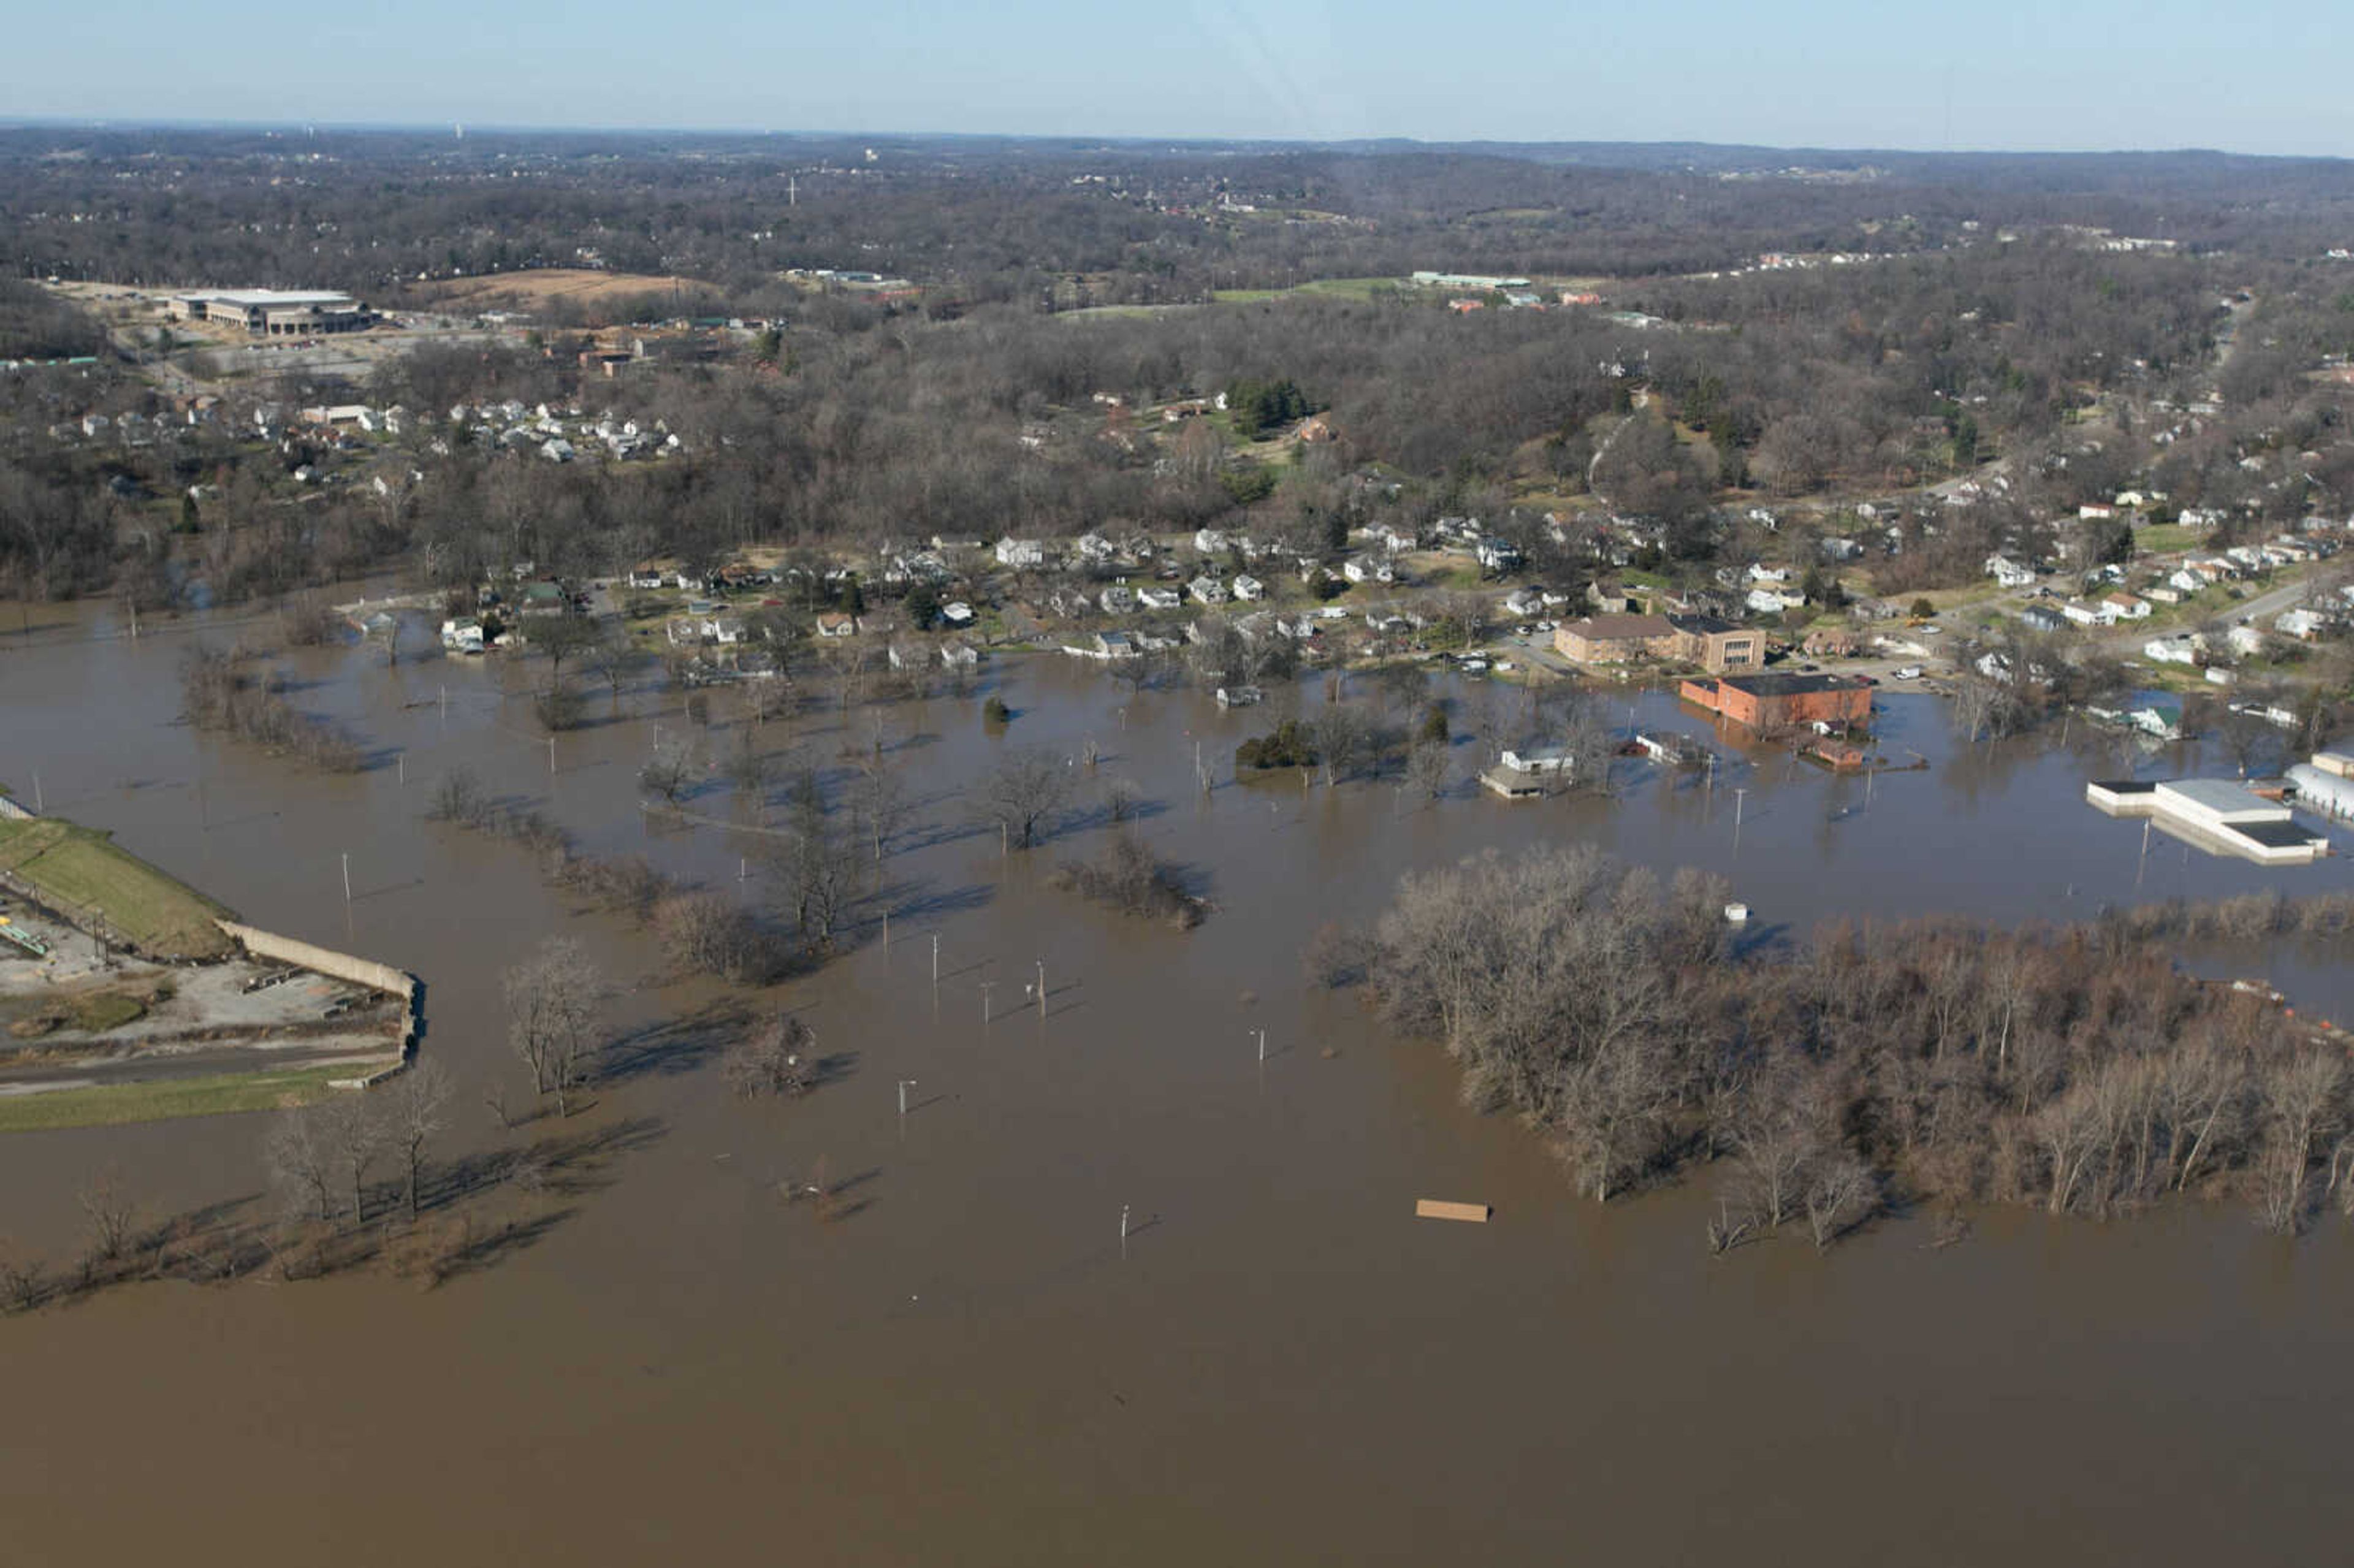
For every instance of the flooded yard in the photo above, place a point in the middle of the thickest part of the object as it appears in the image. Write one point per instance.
(1111, 1287)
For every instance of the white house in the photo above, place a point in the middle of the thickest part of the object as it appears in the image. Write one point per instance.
(1020, 552)
(1523, 602)
(1207, 589)
(1117, 600)
(1839, 549)
(2125, 606)
(956, 613)
(1759, 572)
(1497, 555)
(1248, 588)
(2008, 573)
(462, 636)
(1359, 569)
(1537, 759)
(2302, 624)
(1209, 541)
(2084, 614)
(1772, 601)
(2245, 641)
(2180, 648)
(1159, 598)
(958, 655)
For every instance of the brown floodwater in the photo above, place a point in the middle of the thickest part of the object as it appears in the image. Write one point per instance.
(1284, 1366)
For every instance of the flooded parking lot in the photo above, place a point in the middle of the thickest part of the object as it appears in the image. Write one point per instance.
(1111, 1287)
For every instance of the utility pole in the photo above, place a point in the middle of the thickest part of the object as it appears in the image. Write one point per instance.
(1262, 1046)
(936, 959)
(37, 808)
(347, 877)
(986, 987)
(1123, 1230)
(551, 757)
(1740, 799)
(401, 762)
(1041, 991)
(905, 1085)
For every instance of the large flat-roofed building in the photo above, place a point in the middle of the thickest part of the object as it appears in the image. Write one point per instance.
(1714, 645)
(1614, 639)
(275, 312)
(2217, 815)
(1783, 702)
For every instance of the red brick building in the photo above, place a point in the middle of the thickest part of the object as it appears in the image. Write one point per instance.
(1783, 702)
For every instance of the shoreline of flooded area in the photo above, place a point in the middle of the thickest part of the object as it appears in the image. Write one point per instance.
(959, 1364)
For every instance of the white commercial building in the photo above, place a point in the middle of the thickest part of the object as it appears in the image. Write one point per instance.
(275, 312)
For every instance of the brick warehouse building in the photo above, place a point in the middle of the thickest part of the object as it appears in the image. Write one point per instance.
(1783, 702)
(1714, 645)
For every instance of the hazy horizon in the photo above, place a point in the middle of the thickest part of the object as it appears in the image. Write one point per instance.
(1834, 75)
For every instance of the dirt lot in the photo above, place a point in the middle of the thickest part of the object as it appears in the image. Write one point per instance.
(528, 289)
(71, 1009)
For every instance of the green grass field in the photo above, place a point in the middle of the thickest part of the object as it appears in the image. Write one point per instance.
(78, 870)
(113, 1105)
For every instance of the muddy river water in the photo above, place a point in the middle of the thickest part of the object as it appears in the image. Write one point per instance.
(1280, 1364)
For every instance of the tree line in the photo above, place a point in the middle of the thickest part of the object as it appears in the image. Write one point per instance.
(1936, 1062)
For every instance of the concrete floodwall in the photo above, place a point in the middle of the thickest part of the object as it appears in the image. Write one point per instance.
(343, 966)
(304, 955)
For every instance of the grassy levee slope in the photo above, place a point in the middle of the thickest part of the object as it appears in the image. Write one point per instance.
(79, 872)
(112, 1105)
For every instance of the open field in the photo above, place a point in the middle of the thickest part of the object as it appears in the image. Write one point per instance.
(1347, 288)
(113, 1105)
(77, 871)
(542, 284)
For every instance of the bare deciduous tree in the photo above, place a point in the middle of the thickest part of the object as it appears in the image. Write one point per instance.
(551, 1001)
(413, 1108)
(300, 1163)
(775, 1058)
(1023, 794)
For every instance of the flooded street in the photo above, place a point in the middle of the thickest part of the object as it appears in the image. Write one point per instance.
(1277, 1364)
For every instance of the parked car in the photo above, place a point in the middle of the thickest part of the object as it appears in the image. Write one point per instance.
(1907, 672)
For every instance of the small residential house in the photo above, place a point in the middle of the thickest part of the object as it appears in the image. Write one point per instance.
(1496, 554)
(2302, 624)
(2246, 641)
(834, 623)
(2042, 617)
(1248, 588)
(1021, 554)
(1159, 598)
(2084, 614)
(958, 655)
(2008, 573)
(1362, 569)
(464, 635)
(956, 613)
(1209, 541)
(2178, 648)
(1117, 600)
(1207, 589)
(2125, 606)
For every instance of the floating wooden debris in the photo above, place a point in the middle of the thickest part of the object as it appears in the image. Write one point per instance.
(1439, 1209)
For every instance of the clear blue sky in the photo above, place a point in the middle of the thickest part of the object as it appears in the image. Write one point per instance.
(2261, 76)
